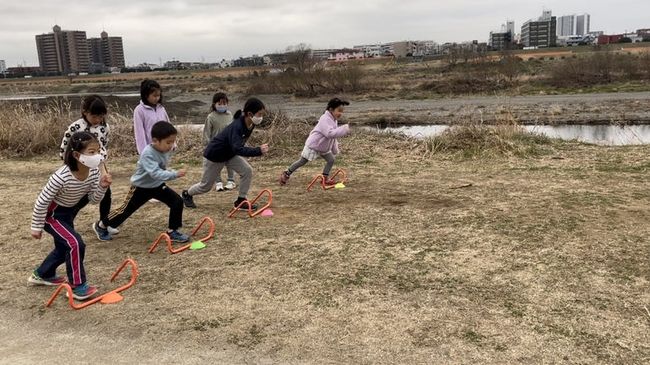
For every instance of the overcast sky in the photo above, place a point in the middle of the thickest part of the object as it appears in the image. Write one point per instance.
(209, 30)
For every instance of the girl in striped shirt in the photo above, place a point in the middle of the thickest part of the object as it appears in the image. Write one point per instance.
(55, 211)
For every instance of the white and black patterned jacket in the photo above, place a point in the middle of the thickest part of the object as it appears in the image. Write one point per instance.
(100, 132)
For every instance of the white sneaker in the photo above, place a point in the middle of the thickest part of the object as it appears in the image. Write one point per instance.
(112, 230)
(218, 186)
(230, 185)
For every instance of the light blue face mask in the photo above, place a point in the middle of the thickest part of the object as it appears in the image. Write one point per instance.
(221, 108)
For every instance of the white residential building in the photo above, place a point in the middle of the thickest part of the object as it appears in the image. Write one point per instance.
(346, 55)
(3, 66)
(582, 24)
(225, 63)
(568, 25)
(371, 50)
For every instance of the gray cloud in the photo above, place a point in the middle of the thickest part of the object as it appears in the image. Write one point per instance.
(196, 29)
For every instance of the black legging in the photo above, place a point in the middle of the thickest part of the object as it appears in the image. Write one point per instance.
(104, 206)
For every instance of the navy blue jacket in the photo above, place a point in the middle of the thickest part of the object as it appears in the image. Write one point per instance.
(230, 142)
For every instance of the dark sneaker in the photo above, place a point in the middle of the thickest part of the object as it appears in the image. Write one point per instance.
(83, 291)
(245, 205)
(188, 200)
(284, 178)
(102, 233)
(53, 281)
(177, 236)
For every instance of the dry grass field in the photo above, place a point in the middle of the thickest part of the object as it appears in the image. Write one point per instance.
(542, 259)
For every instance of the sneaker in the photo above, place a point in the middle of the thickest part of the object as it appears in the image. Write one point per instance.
(83, 291)
(284, 178)
(230, 185)
(188, 200)
(177, 236)
(102, 233)
(245, 205)
(219, 186)
(112, 231)
(53, 281)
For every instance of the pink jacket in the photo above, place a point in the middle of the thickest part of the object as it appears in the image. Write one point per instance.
(144, 117)
(323, 137)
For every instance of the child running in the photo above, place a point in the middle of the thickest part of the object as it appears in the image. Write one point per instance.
(149, 112)
(322, 141)
(148, 182)
(228, 149)
(93, 121)
(55, 212)
(218, 119)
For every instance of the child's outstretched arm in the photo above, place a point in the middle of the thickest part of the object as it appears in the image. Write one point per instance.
(336, 132)
(154, 170)
(239, 147)
(327, 126)
(99, 187)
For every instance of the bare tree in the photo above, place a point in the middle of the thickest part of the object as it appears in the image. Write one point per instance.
(509, 65)
(300, 57)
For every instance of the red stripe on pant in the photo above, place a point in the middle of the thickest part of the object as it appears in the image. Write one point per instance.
(72, 242)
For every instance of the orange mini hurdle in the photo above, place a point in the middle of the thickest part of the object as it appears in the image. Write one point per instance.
(110, 297)
(322, 180)
(252, 213)
(172, 250)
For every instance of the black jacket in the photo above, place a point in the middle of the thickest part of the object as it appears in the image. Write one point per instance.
(230, 142)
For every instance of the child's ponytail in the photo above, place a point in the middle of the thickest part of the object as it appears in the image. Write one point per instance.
(95, 105)
(253, 105)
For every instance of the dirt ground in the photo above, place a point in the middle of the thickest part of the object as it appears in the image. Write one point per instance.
(540, 260)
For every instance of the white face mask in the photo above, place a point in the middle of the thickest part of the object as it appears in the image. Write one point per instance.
(257, 120)
(90, 161)
(221, 108)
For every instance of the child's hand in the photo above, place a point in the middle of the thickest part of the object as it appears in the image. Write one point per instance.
(180, 173)
(264, 148)
(37, 234)
(105, 180)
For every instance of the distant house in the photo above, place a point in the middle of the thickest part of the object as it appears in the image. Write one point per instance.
(644, 33)
(370, 50)
(20, 71)
(338, 55)
(248, 61)
(225, 63)
(346, 54)
(608, 39)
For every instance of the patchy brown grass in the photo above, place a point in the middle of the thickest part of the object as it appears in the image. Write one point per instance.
(540, 260)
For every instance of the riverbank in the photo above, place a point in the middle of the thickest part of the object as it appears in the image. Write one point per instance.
(592, 109)
(502, 259)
